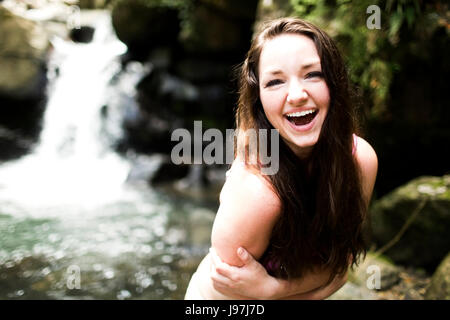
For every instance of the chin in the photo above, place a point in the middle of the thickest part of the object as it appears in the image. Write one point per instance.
(303, 144)
(306, 141)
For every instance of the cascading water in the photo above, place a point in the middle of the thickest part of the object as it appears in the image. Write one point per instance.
(65, 207)
(70, 165)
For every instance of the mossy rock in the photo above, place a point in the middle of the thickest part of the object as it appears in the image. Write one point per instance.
(93, 4)
(350, 291)
(219, 28)
(389, 273)
(145, 25)
(423, 243)
(439, 288)
(24, 48)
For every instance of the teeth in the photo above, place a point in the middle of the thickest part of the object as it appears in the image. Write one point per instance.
(300, 114)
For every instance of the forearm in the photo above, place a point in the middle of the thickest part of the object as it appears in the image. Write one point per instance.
(312, 285)
(306, 284)
(321, 292)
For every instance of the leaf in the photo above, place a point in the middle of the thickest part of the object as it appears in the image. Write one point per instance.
(410, 16)
(396, 22)
(389, 4)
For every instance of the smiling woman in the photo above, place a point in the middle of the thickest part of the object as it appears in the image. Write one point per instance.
(293, 91)
(293, 234)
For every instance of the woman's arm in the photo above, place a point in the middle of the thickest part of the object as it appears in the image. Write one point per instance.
(232, 230)
(253, 281)
(248, 211)
(322, 292)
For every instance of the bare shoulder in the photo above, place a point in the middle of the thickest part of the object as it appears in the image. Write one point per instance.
(244, 184)
(366, 155)
(248, 211)
(368, 162)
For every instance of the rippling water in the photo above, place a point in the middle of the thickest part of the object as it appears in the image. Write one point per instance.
(70, 227)
(144, 248)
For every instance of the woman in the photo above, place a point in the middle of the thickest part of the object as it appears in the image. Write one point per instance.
(293, 234)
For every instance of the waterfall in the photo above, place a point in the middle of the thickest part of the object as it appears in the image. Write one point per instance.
(66, 206)
(71, 164)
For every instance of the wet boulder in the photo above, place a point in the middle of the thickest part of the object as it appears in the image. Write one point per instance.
(439, 288)
(143, 26)
(372, 264)
(220, 28)
(25, 46)
(351, 291)
(193, 50)
(168, 171)
(93, 4)
(83, 34)
(411, 222)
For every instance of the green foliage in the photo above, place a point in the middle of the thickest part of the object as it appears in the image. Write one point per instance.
(401, 12)
(373, 56)
(369, 53)
(159, 3)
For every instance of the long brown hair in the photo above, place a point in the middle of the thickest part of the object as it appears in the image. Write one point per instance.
(323, 209)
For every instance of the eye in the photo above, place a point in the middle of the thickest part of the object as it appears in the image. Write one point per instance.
(314, 74)
(273, 83)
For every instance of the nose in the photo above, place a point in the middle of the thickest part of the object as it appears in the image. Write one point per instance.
(296, 93)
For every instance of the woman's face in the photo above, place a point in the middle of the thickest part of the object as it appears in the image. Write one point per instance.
(292, 90)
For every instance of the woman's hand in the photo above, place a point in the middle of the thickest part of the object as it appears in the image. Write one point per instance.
(251, 280)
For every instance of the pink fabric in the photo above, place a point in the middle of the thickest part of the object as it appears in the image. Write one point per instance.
(271, 266)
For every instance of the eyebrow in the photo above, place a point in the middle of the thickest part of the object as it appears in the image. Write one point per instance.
(305, 66)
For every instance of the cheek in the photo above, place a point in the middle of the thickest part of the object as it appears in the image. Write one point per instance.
(272, 103)
(322, 96)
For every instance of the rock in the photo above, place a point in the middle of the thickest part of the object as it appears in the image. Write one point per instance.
(20, 125)
(191, 76)
(146, 132)
(168, 102)
(168, 172)
(24, 46)
(422, 244)
(350, 291)
(145, 26)
(229, 28)
(93, 4)
(170, 87)
(195, 182)
(144, 167)
(389, 273)
(84, 34)
(202, 70)
(439, 288)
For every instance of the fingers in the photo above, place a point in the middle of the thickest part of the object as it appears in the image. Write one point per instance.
(219, 279)
(220, 282)
(244, 255)
(219, 266)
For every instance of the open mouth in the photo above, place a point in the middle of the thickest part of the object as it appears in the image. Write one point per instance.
(302, 118)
